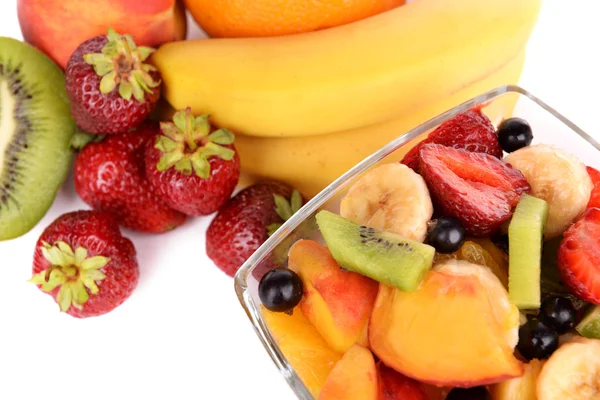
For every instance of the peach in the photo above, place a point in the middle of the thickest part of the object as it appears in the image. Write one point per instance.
(57, 27)
(303, 347)
(354, 377)
(395, 386)
(458, 329)
(337, 302)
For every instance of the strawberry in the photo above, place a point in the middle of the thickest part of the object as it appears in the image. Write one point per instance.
(471, 130)
(110, 88)
(247, 220)
(595, 195)
(110, 176)
(395, 386)
(578, 256)
(476, 188)
(84, 263)
(193, 169)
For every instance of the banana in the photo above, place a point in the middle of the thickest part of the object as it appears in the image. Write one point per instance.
(572, 372)
(392, 198)
(312, 163)
(521, 388)
(348, 77)
(557, 177)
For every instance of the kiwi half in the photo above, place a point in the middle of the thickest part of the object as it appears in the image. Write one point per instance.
(385, 257)
(35, 133)
(525, 240)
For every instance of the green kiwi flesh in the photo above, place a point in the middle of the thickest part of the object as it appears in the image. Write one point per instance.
(35, 132)
(525, 240)
(589, 326)
(385, 257)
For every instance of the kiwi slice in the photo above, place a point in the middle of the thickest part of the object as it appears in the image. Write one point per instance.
(525, 241)
(35, 131)
(589, 326)
(385, 257)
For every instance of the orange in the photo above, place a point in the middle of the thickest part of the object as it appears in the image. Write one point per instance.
(255, 18)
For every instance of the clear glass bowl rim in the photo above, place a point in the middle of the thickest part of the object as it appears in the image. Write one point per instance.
(241, 277)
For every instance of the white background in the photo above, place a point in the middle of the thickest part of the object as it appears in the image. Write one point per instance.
(183, 335)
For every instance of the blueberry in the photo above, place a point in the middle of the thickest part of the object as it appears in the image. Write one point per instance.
(513, 134)
(280, 290)
(559, 313)
(447, 235)
(537, 340)
(474, 393)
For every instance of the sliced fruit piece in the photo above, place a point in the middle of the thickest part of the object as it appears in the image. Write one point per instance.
(497, 254)
(473, 252)
(522, 388)
(35, 134)
(578, 257)
(390, 198)
(470, 130)
(386, 257)
(595, 195)
(354, 377)
(589, 326)
(395, 386)
(572, 373)
(476, 188)
(458, 329)
(526, 236)
(337, 302)
(557, 177)
(303, 347)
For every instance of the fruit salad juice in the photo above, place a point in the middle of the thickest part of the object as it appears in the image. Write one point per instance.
(466, 271)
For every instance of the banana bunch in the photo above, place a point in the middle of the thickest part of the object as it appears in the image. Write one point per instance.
(307, 107)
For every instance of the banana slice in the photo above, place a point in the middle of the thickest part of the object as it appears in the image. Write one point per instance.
(572, 372)
(521, 388)
(557, 177)
(391, 198)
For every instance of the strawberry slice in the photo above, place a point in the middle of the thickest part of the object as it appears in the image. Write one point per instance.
(595, 196)
(477, 188)
(471, 130)
(579, 257)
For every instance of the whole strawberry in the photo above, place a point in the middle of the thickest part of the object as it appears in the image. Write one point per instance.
(247, 220)
(84, 263)
(193, 169)
(471, 131)
(110, 176)
(110, 88)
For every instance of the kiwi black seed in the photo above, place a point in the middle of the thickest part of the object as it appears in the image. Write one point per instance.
(35, 134)
(383, 256)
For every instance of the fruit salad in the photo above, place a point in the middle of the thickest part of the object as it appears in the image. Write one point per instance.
(466, 271)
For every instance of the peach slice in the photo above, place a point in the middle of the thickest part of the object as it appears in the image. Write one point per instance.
(458, 329)
(337, 302)
(353, 378)
(303, 347)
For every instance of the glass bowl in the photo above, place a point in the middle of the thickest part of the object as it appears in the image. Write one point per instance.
(548, 126)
